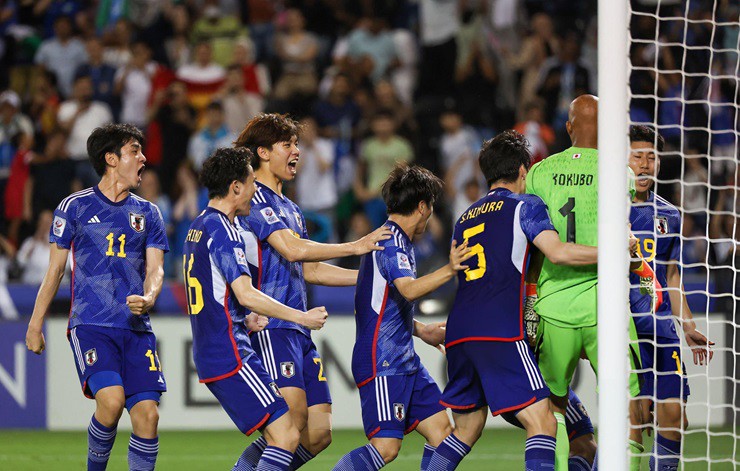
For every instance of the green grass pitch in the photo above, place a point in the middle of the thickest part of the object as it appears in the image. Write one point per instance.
(498, 449)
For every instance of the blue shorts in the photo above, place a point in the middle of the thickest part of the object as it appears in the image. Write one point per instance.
(291, 359)
(501, 375)
(250, 397)
(123, 357)
(393, 406)
(666, 375)
(577, 421)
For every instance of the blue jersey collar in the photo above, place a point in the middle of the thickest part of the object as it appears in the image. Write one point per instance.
(262, 185)
(403, 234)
(106, 200)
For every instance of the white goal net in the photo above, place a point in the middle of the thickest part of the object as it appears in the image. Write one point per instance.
(683, 82)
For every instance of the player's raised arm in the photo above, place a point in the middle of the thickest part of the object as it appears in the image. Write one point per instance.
(296, 249)
(35, 341)
(152, 283)
(256, 301)
(562, 253)
(414, 288)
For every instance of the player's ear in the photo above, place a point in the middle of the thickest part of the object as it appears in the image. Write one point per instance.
(568, 127)
(263, 153)
(111, 159)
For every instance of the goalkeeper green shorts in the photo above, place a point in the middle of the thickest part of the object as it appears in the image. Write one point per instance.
(558, 350)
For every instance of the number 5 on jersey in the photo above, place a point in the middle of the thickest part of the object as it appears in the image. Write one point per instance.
(475, 250)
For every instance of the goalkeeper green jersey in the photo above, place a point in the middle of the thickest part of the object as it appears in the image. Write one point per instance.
(568, 184)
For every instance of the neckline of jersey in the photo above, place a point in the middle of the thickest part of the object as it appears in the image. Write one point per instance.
(403, 234)
(281, 196)
(106, 200)
(499, 188)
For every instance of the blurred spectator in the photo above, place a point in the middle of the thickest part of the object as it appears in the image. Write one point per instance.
(213, 135)
(461, 201)
(539, 135)
(539, 45)
(102, 74)
(297, 50)
(134, 85)
(189, 202)
(219, 29)
(371, 52)
(150, 190)
(338, 114)
(459, 147)
(315, 186)
(693, 245)
(17, 208)
(62, 54)
(260, 15)
(404, 76)
(118, 51)
(109, 12)
(16, 134)
(33, 256)
(177, 46)
(379, 154)
(203, 77)
(44, 102)
(562, 78)
(670, 109)
(692, 194)
(387, 99)
(440, 23)
(51, 174)
(239, 105)
(256, 76)
(177, 121)
(7, 254)
(78, 117)
(359, 226)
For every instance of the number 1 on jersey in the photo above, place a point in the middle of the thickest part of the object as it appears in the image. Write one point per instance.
(567, 212)
(477, 250)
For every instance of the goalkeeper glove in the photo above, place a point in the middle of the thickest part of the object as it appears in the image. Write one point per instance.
(531, 318)
(649, 284)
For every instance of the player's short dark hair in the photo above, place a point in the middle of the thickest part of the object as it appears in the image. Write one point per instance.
(225, 165)
(642, 133)
(501, 157)
(110, 138)
(407, 186)
(265, 130)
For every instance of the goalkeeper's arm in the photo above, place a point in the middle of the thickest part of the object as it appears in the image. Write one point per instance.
(531, 318)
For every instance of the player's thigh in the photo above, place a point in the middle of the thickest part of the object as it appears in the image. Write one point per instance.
(98, 355)
(538, 419)
(317, 433)
(250, 398)
(464, 391)
(558, 351)
(314, 375)
(425, 413)
(508, 374)
(384, 403)
(142, 370)
(670, 377)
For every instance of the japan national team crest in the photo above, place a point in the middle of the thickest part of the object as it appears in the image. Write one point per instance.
(661, 225)
(136, 221)
(91, 356)
(576, 156)
(287, 369)
(399, 411)
(275, 389)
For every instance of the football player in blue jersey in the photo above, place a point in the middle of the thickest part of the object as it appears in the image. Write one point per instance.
(489, 361)
(396, 392)
(657, 224)
(287, 259)
(220, 293)
(117, 242)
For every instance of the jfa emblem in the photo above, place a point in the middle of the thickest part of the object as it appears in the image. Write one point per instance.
(661, 225)
(136, 221)
(399, 411)
(298, 220)
(275, 389)
(91, 356)
(576, 156)
(287, 369)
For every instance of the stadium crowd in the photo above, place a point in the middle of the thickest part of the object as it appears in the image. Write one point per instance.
(373, 82)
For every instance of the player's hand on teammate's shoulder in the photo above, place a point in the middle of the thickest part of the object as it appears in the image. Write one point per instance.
(35, 341)
(315, 318)
(367, 244)
(701, 347)
(255, 322)
(458, 254)
(139, 305)
(434, 334)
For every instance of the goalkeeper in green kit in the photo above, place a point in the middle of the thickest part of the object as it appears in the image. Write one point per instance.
(566, 296)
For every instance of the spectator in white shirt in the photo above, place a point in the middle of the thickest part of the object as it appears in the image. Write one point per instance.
(33, 256)
(78, 117)
(62, 54)
(315, 186)
(213, 135)
(134, 84)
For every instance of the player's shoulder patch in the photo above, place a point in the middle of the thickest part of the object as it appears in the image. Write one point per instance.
(269, 215)
(241, 257)
(403, 261)
(58, 225)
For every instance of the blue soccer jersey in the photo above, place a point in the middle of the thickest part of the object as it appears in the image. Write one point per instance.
(108, 242)
(657, 224)
(277, 277)
(499, 228)
(214, 255)
(384, 318)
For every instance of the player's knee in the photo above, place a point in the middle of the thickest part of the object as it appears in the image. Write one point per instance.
(320, 441)
(438, 434)
(150, 416)
(388, 449)
(584, 446)
(110, 408)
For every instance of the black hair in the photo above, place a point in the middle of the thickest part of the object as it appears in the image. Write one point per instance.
(110, 138)
(642, 133)
(215, 105)
(266, 130)
(225, 165)
(407, 186)
(501, 158)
